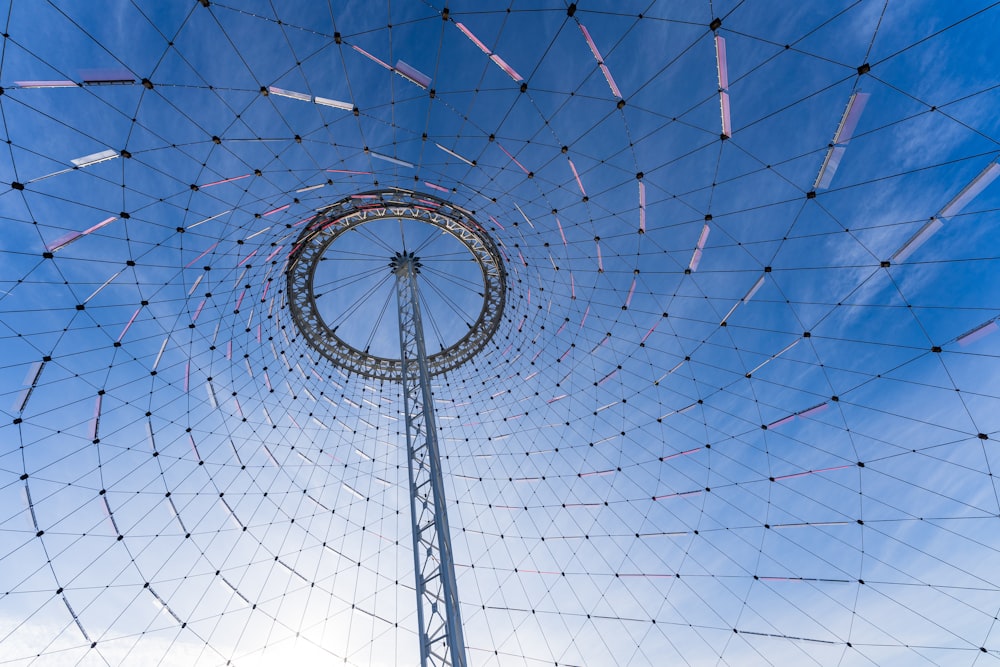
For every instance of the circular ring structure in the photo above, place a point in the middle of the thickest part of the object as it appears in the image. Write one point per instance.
(333, 221)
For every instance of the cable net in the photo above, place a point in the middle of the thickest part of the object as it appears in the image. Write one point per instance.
(741, 407)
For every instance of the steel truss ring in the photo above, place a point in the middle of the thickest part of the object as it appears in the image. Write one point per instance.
(392, 203)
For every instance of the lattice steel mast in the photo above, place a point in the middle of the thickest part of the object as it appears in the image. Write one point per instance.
(440, 624)
(438, 615)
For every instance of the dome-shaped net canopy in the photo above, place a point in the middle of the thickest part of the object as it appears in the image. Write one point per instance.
(741, 406)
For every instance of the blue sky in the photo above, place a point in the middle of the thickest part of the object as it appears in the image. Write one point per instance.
(606, 457)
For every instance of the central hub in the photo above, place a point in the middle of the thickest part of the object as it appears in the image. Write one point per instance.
(341, 299)
(403, 262)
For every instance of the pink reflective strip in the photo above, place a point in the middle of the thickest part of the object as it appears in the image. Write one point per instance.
(229, 349)
(475, 40)
(811, 472)
(781, 422)
(187, 375)
(248, 257)
(849, 121)
(495, 220)
(347, 171)
(704, 237)
(134, 315)
(63, 241)
(563, 326)
(816, 409)
(502, 64)
(727, 128)
(523, 319)
(198, 312)
(276, 210)
(981, 331)
(412, 74)
(720, 61)
(194, 448)
(585, 314)
(514, 159)
(674, 456)
(557, 398)
(210, 249)
(590, 43)
(225, 180)
(576, 175)
(600, 261)
(611, 80)
(271, 256)
(631, 291)
(107, 75)
(370, 56)
(565, 354)
(435, 187)
(102, 223)
(695, 260)
(258, 332)
(572, 286)
(650, 332)
(428, 202)
(267, 381)
(642, 209)
(608, 377)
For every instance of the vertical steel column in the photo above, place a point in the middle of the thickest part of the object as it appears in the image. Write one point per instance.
(441, 639)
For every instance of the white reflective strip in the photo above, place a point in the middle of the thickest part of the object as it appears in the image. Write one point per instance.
(917, 240)
(336, 104)
(281, 92)
(94, 158)
(978, 184)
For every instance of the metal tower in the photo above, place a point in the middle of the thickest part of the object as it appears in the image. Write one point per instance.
(441, 640)
(440, 623)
